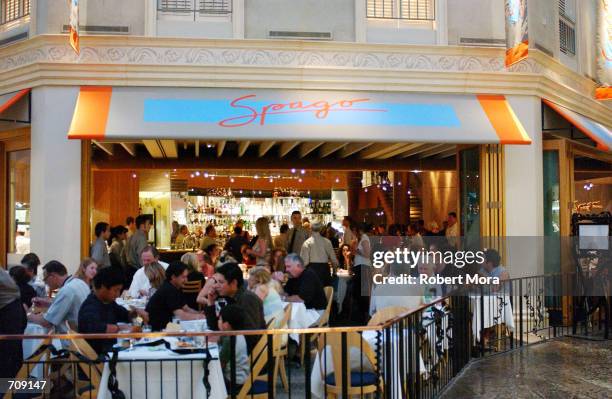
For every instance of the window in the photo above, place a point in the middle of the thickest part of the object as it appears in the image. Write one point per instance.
(19, 201)
(567, 27)
(415, 10)
(203, 7)
(11, 10)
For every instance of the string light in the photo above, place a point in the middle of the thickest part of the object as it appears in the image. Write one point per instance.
(366, 190)
(232, 180)
(212, 177)
(206, 175)
(166, 175)
(303, 171)
(271, 180)
(191, 175)
(256, 177)
(197, 173)
(292, 170)
(300, 180)
(337, 180)
(134, 175)
(399, 183)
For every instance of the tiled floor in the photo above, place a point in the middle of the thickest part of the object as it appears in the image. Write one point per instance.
(566, 368)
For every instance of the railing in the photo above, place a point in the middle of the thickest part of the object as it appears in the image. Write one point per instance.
(195, 7)
(412, 10)
(12, 10)
(412, 355)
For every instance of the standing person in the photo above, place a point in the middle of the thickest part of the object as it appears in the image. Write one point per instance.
(317, 253)
(168, 300)
(117, 248)
(175, 231)
(135, 244)
(21, 278)
(360, 282)
(150, 276)
(130, 225)
(348, 235)
(332, 235)
(210, 235)
(297, 234)
(262, 246)
(452, 230)
(99, 250)
(100, 314)
(12, 321)
(280, 241)
(72, 293)
(31, 262)
(236, 241)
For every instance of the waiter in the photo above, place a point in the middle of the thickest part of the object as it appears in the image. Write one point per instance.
(317, 253)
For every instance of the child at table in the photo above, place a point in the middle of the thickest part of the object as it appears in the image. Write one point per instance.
(231, 318)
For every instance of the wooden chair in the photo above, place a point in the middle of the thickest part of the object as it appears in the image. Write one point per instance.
(386, 314)
(192, 287)
(360, 383)
(280, 350)
(26, 369)
(87, 388)
(323, 322)
(256, 385)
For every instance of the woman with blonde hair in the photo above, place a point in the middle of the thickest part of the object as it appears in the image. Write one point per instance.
(193, 267)
(260, 282)
(263, 245)
(87, 270)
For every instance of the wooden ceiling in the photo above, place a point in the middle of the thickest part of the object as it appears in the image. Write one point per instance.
(343, 154)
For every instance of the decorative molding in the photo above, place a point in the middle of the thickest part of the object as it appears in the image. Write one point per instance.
(152, 61)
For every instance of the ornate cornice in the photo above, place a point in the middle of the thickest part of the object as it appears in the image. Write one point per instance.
(150, 61)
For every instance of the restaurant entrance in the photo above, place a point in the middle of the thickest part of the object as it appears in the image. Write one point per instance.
(380, 157)
(227, 187)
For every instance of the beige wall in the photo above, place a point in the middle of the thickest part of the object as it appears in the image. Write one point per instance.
(439, 195)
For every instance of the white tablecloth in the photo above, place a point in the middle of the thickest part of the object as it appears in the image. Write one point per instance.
(30, 345)
(176, 371)
(301, 317)
(497, 310)
(316, 379)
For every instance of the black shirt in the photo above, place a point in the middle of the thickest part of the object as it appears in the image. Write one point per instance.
(250, 302)
(94, 315)
(27, 293)
(234, 244)
(162, 305)
(308, 287)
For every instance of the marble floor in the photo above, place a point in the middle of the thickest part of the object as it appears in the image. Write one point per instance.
(565, 368)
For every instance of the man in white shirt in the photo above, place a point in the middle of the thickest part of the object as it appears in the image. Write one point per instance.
(317, 253)
(452, 231)
(348, 236)
(140, 283)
